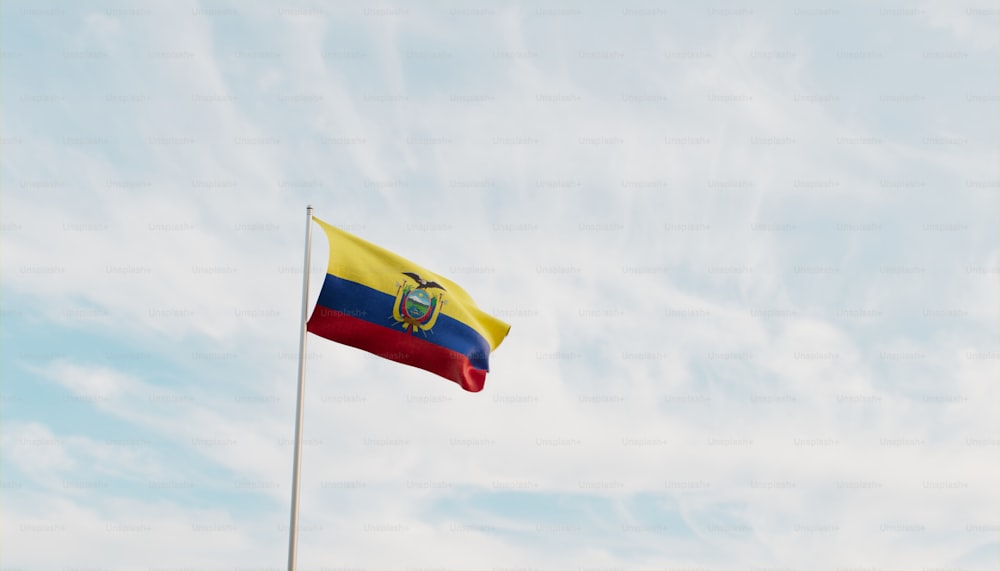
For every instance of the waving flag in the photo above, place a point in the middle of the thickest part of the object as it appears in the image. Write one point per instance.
(382, 303)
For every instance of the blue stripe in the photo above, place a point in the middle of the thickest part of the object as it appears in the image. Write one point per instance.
(362, 302)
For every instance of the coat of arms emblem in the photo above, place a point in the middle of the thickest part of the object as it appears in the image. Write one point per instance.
(417, 308)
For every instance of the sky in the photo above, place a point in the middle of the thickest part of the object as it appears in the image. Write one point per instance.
(748, 251)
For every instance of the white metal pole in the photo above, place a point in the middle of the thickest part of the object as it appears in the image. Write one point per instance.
(297, 460)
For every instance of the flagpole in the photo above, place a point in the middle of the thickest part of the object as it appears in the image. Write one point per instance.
(297, 460)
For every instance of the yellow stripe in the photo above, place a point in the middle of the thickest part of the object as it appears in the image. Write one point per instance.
(357, 260)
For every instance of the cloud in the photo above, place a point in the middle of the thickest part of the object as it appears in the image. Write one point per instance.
(741, 333)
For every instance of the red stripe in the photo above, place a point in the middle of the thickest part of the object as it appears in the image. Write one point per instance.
(396, 345)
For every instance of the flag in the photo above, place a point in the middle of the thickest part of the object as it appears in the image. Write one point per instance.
(377, 301)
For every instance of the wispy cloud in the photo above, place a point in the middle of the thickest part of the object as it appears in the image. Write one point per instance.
(748, 253)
